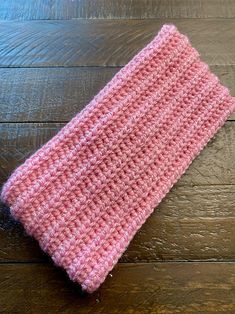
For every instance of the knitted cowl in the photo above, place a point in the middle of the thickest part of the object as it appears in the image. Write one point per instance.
(84, 194)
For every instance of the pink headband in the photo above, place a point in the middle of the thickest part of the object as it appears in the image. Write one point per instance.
(86, 192)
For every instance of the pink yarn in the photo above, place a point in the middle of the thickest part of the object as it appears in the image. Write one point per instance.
(85, 193)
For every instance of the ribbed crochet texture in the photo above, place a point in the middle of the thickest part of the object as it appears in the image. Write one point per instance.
(85, 193)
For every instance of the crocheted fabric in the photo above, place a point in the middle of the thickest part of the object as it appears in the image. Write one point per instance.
(86, 192)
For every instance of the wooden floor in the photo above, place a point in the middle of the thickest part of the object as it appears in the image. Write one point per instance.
(54, 57)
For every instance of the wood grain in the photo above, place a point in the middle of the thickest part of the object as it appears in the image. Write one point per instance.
(191, 223)
(57, 94)
(153, 288)
(45, 94)
(213, 166)
(64, 9)
(106, 42)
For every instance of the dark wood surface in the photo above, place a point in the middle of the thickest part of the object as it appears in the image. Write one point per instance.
(105, 42)
(130, 288)
(54, 57)
(113, 9)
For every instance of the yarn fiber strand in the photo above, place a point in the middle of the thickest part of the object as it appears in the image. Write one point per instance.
(86, 192)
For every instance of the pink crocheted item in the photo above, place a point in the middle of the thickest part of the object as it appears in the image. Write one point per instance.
(85, 193)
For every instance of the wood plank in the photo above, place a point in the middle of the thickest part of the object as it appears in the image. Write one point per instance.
(45, 94)
(215, 164)
(64, 9)
(57, 94)
(106, 42)
(190, 239)
(191, 223)
(133, 288)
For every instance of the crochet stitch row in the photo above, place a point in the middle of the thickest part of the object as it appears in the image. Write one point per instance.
(85, 193)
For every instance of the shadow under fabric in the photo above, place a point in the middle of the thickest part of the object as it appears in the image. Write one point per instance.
(85, 193)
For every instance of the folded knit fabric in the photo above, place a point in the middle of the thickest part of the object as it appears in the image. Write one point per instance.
(85, 193)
